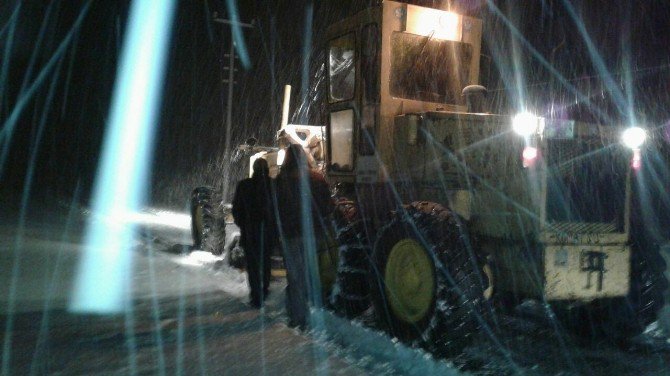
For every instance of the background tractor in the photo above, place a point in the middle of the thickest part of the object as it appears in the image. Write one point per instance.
(212, 225)
(443, 206)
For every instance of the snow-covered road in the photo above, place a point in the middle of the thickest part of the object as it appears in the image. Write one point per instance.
(189, 315)
(48, 256)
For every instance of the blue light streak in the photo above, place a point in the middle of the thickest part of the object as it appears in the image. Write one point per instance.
(104, 273)
(9, 126)
(238, 36)
(5, 139)
(10, 28)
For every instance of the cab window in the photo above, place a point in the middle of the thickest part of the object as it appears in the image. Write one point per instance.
(428, 69)
(342, 68)
(341, 140)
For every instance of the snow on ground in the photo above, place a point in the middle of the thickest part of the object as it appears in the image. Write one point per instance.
(49, 254)
(189, 315)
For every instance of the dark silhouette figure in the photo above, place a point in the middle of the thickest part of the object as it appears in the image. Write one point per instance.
(253, 213)
(304, 204)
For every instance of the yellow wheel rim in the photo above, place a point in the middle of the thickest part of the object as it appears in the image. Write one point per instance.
(410, 281)
(198, 221)
(488, 292)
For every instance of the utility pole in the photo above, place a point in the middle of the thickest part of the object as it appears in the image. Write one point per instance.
(231, 83)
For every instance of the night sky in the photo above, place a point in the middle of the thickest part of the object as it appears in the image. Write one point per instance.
(72, 102)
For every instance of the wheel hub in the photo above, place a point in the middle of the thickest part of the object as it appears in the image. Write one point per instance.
(199, 225)
(410, 281)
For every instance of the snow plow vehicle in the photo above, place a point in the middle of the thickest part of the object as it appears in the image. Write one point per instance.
(443, 206)
(444, 209)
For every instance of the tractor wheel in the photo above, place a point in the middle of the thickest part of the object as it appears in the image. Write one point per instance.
(627, 317)
(351, 294)
(207, 225)
(428, 284)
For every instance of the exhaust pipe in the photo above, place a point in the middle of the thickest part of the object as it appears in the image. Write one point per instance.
(475, 98)
(285, 107)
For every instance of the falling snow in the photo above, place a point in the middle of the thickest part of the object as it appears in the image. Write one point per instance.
(70, 191)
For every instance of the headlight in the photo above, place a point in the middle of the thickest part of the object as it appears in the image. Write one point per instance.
(633, 137)
(525, 124)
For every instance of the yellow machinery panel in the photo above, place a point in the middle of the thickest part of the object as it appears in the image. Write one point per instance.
(586, 272)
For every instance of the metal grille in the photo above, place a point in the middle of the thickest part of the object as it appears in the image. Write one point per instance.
(582, 227)
(565, 155)
(586, 187)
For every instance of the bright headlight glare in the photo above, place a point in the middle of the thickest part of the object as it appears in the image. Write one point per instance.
(529, 153)
(525, 124)
(634, 137)
(280, 157)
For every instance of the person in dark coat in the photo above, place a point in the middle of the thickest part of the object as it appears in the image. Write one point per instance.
(253, 213)
(304, 204)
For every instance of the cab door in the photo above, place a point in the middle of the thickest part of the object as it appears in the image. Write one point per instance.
(342, 72)
(353, 98)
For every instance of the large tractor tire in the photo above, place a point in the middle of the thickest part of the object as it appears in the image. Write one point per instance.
(428, 284)
(351, 293)
(646, 297)
(207, 223)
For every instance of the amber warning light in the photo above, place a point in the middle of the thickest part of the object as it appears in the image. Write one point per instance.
(529, 155)
(634, 137)
(432, 22)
